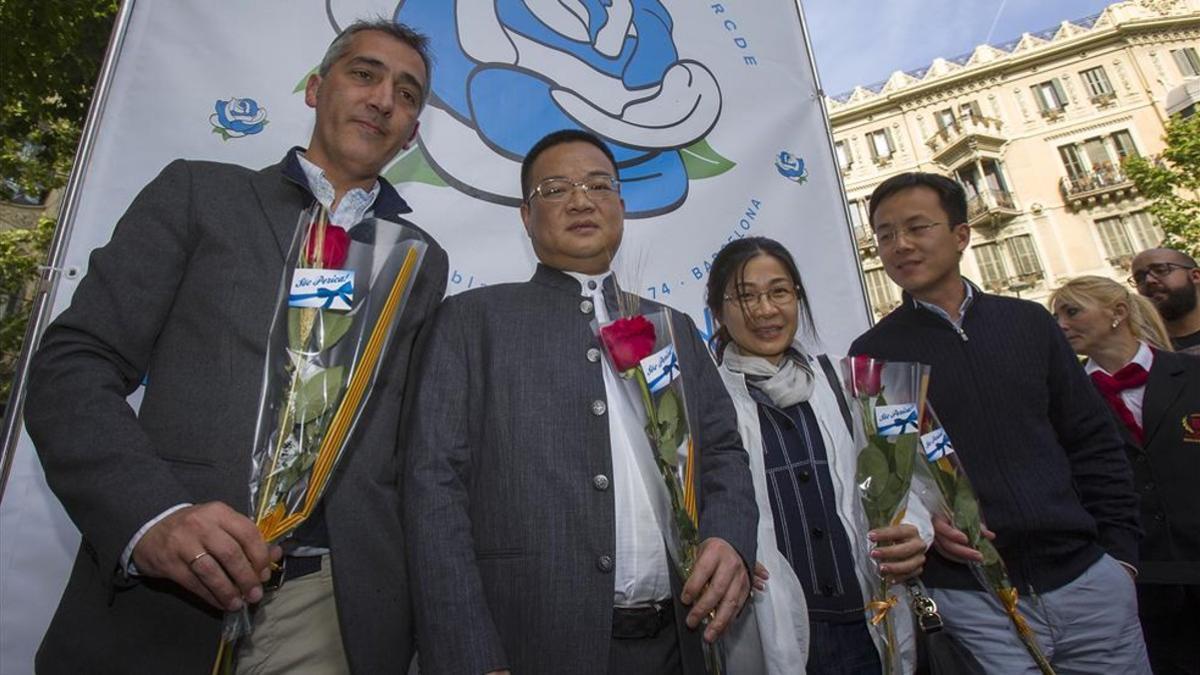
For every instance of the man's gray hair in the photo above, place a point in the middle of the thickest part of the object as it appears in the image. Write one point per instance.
(415, 39)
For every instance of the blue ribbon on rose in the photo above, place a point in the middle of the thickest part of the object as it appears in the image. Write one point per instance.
(900, 424)
(345, 292)
(666, 374)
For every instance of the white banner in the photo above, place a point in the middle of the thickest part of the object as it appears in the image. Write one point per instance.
(710, 108)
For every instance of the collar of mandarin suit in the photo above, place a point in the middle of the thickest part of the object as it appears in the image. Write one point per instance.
(389, 202)
(559, 280)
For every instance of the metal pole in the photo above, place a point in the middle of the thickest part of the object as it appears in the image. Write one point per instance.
(820, 93)
(48, 285)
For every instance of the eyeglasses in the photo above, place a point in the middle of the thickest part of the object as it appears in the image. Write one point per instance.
(780, 296)
(600, 186)
(1157, 270)
(887, 236)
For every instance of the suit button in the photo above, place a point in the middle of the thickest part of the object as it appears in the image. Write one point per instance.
(599, 408)
(586, 306)
(804, 476)
(817, 533)
(600, 482)
(1148, 486)
(1160, 516)
(593, 355)
(604, 563)
(827, 589)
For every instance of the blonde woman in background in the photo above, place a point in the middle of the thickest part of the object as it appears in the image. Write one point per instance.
(1154, 394)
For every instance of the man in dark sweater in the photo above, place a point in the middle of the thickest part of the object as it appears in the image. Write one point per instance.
(1041, 450)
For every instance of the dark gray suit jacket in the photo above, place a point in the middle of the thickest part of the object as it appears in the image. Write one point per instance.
(183, 294)
(507, 521)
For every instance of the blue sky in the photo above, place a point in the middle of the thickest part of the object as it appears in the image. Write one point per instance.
(863, 41)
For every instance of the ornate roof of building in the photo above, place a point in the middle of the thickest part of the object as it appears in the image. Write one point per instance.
(1116, 14)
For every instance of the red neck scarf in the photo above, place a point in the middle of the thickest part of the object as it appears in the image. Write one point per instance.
(1131, 376)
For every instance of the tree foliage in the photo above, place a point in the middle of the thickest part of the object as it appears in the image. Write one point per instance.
(1173, 184)
(21, 251)
(50, 54)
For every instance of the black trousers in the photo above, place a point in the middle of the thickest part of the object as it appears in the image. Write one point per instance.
(1171, 625)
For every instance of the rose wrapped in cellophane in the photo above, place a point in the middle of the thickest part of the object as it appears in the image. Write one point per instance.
(890, 397)
(958, 503)
(340, 299)
(641, 349)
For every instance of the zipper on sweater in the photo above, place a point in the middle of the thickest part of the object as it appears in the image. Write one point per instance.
(961, 333)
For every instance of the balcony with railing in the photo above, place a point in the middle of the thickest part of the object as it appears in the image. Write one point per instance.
(1104, 184)
(991, 207)
(965, 138)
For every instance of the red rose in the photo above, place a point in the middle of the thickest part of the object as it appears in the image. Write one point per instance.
(334, 250)
(868, 373)
(628, 341)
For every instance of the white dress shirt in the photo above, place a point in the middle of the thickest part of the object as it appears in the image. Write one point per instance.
(1131, 397)
(640, 574)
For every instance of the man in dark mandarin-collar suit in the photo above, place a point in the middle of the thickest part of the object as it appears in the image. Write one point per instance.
(533, 548)
(183, 296)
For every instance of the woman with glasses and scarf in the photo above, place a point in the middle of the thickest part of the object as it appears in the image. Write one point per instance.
(811, 591)
(1154, 395)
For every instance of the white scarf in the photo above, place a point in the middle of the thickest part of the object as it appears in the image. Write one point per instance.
(785, 384)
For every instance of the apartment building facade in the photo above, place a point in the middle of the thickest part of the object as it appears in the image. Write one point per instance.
(1036, 130)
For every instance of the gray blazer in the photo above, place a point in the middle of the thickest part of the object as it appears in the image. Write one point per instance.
(510, 522)
(183, 294)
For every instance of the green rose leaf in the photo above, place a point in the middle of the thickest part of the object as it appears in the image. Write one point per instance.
(872, 471)
(329, 327)
(701, 161)
(671, 427)
(318, 394)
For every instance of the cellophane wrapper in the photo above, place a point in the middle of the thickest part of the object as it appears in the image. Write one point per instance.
(890, 397)
(320, 370)
(956, 500)
(654, 387)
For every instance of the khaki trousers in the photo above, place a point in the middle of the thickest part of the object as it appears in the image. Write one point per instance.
(296, 630)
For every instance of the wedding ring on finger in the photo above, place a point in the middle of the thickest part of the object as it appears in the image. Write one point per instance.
(197, 557)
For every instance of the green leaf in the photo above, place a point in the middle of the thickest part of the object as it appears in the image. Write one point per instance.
(701, 161)
(318, 393)
(303, 83)
(413, 167)
(872, 471)
(331, 326)
(671, 427)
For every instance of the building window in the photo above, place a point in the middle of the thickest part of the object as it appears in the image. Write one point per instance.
(1123, 142)
(991, 265)
(881, 291)
(1187, 60)
(1096, 162)
(1097, 84)
(1147, 233)
(1023, 255)
(970, 110)
(1072, 161)
(1115, 239)
(945, 118)
(881, 145)
(843, 156)
(1050, 97)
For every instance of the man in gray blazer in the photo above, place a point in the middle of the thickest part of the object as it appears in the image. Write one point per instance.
(534, 547)
(182, 297)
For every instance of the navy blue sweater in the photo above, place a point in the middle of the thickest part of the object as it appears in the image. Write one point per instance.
(1036, 439)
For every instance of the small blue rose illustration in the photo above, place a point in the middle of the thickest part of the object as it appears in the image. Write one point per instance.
(791, 167)
(238, 117)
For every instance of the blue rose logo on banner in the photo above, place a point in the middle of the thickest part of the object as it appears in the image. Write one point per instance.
(237, 117)
(791, 167)
(511, 71)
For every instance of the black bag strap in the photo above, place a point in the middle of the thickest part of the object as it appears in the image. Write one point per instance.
(836, 385)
